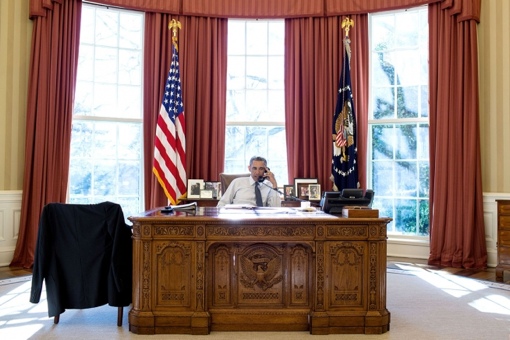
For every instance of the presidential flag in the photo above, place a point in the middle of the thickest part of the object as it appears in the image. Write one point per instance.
(344, 168)
(170, 143)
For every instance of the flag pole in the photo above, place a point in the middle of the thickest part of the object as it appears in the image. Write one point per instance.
(347, 23)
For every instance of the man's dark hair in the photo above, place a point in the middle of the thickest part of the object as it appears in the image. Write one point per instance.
(259, 159)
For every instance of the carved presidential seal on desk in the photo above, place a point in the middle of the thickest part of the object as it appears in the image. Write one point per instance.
(259, 268)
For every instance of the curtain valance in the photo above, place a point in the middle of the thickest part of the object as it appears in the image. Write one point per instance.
(251, 8)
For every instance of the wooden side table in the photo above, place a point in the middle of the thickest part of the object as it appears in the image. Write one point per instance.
(503, 243)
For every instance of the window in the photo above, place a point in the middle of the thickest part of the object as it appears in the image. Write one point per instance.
(398, 119)
(106, 141)
(255, 96)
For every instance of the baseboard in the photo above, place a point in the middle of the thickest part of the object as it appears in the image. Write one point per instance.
(10, 215)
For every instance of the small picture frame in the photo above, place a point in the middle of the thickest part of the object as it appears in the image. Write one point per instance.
(298, 181)
(288, 192)
(302, 191)
(194, 187)
(215, 187)
(314, 192)
(206, 193)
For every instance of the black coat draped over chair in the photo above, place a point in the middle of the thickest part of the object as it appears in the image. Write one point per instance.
(84, 255)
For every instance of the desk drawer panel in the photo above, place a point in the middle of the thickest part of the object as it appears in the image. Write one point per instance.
(504, 222)
(504, 255)
(504, 208)
(504, 237)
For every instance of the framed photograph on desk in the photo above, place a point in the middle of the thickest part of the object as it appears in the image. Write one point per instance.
(303, 191)
(298, 181)
(288, 192)
(206, 193)
(215, 187)
(314, 192)
(194, 187)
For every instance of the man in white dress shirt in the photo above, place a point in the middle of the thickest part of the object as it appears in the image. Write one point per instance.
(242, 189)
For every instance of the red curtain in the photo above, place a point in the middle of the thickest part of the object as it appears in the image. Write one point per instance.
(313, 57)
(53, 64)
(457, 231)
(202, 46)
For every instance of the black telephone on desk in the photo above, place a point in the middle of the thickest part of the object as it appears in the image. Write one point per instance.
(332, 202)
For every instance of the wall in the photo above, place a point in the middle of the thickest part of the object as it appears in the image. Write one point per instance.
(15, 40)
(494, 67)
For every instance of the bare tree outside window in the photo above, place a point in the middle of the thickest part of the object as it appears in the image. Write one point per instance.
(106, 140)
(255, 96)
(398, 121)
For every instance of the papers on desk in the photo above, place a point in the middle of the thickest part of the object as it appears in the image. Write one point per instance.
(189, 207)
(253, 209)
(240, 206)
(247, 209)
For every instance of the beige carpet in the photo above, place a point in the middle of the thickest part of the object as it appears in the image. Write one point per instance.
(423, 305)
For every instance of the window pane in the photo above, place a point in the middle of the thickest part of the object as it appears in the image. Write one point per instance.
(256, 73)
(236, 37)
(256, 105)
(107, 22)
(130, 101)
(106, 65)
(423, 142)
(405, 216)
(236, 105)
(382, 32)
(382, 174)
(423, 218)
(256, 37)
(236, 73)
(405, 141)
(130, 33)
(383, 102)
(382, 141)
(275, 77)
(407, 102)
(406, 179)
(105, 100)
(424, 170)
(276, 107)
(130, 67)
(86, 63)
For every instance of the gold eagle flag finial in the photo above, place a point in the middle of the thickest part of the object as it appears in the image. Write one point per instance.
(174, 25)
(346, 25)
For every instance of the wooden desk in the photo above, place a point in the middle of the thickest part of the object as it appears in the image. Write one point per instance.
(258, 270)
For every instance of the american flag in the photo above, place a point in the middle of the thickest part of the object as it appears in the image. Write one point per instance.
(170, 142)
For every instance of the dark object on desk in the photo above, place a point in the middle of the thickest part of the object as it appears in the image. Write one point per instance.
(333, 202)
(84, 256)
